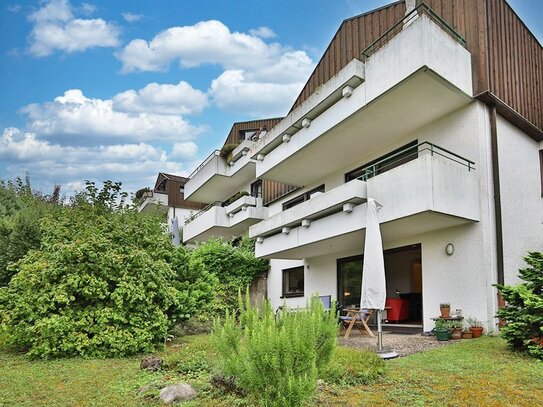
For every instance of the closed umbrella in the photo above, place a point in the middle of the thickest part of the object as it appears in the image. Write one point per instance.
(175, 232)
(373, 272)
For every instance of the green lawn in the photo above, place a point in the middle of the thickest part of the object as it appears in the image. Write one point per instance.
(451, 375)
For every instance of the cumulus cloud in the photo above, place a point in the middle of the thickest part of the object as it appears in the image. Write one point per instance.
(74, 114)
(135, 164)
(184, 151)
(179, 99)
(263, 32)
(132, 17)
(55, 28)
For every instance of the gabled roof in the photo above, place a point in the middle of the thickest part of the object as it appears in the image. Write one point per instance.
(170, 177)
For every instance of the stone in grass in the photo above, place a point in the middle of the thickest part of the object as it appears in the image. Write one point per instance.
(152, 363)
(177, 392)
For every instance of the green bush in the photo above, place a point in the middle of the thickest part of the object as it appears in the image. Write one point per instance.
(104, 282)
(353, 367)
(234, 267)
(276, 360)
(523, 312)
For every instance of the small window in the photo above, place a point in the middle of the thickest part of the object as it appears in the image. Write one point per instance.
(385, 163)
(182, 189)
(293, 282)
(256, 189)
(304, 197)
(248, 134)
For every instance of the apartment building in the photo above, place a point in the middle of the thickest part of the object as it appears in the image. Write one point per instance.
(433, 109)
(168, 197)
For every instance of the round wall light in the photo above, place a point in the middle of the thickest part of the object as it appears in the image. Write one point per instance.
(449, 249)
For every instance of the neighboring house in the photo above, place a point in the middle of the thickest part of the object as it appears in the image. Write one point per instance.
(437, 113)
(168, 196)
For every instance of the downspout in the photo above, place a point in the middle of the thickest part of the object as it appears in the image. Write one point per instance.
(497, 194)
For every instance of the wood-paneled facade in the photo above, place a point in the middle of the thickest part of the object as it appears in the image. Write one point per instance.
(507, 59)
(236, 132)
(172, 186)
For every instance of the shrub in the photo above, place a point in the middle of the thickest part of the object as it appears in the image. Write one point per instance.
(234, 267)
(353, 367)
(104, 282)
(227, 149)
(276, 361)
(523, 312)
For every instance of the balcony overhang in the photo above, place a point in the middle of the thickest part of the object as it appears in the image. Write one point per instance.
(226, 222)
(427, 194)
(154, 202)
(217, 180)
(414, 103)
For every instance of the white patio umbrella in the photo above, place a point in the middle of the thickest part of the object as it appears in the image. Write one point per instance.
(175, 232)
(373, 272)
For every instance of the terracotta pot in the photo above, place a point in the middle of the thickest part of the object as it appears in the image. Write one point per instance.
(456, 333)
(477, 331)
(445, 312)
(467, 334)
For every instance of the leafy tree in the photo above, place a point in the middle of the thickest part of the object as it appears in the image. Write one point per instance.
(234, 267)
(105, 281)
(523, 312)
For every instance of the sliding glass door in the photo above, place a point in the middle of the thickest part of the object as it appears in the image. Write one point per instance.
(350, 281)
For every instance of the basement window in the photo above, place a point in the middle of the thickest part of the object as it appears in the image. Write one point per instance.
(385, 163)
(303, 197)
(293, 282)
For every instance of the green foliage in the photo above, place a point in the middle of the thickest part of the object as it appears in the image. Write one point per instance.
(353, 367)
(191, 359)
(105, 281)
(234, 267)
(227, 149)
(235, 197)
(523, 312)
(276, 360)
(20, 214)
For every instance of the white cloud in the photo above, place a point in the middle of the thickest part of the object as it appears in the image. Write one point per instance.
(135, 164)
(56, 28)
(232, 91)
(14, 8)
(207, 42)
(263, 32)
(132, 17)
(87, 9)
(184, 151)
(180, 99)
(73, 114)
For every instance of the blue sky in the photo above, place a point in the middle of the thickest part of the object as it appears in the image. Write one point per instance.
(124, 89)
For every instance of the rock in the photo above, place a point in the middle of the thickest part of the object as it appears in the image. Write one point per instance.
(177, 392)
(153, 363)
(156, 385)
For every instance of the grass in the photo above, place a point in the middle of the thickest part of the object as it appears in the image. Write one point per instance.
(451, 375)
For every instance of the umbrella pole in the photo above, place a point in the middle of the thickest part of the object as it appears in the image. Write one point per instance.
(379, 332)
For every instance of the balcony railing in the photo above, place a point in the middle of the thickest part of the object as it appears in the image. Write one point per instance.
(422, 8)
(208, 159)
(412, 152)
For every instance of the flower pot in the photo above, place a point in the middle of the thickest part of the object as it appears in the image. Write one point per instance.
(477, 331)
(467, 335)
(456, 333)
(445, 312)
(442, 334)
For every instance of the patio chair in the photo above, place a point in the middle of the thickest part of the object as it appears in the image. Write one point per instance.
(326, 301)
(360, 317)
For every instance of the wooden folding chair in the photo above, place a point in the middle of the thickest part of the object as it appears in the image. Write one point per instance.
(357, 317)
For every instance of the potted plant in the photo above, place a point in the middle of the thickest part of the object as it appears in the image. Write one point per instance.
(456, 327)
(476, 327)
(445, 309)
(441, 330)
(467, 334)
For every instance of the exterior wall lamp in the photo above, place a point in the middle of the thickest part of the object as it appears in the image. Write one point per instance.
(449, 249)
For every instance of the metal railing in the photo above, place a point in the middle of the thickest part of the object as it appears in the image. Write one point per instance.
(422, 8)
(202, 211)
(413, 152)
(207, 160)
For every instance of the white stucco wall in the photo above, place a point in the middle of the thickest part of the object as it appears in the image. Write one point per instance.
(520, 188)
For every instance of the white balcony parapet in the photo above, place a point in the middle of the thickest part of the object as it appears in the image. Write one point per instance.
(227, 222)
(152, 200)
(317, 207)
(352, 75)
(419, 75)
(429, 193)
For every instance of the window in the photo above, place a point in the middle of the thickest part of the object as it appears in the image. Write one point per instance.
(182, 189)
(248, 134)
(304, 197)
(293, 282)
(387, 162)
(256, 189)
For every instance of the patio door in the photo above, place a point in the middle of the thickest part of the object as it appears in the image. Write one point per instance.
(350, 281)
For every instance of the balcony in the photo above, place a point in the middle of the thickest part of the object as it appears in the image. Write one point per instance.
(227, 221)
(436, 190)
(218, 177)
(154, 201)
(419, 75)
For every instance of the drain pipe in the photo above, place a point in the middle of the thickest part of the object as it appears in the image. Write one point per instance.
(497, 194)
